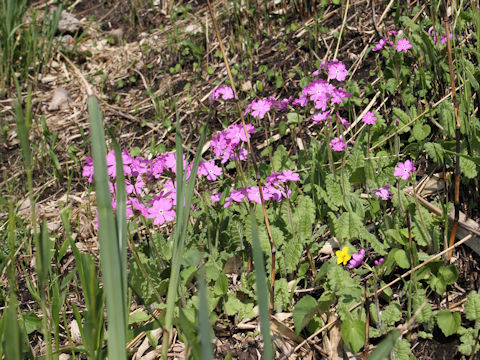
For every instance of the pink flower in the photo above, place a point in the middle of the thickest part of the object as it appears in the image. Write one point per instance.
(338, 95)
(403, 45)
(369, 118)
(380, 45)
(336, 70)
(253, 194)
(209, 170)
(215, 198)
(383, 192)
(357, 259)
(320, 117)
(403, 170)
(235, 196)
(343, 121)
(379, 261)
(224, 91)
(88, 169)
(288, 175)
(393, 32)
(337, 144)
(161, 211)
(258, 108)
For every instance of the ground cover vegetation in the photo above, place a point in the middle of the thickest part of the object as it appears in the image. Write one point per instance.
(239, 179)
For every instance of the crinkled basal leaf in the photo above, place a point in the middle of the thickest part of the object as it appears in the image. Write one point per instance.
(281, 160)
(421, 230)
(467, 337)
(324, 195)
(437, 284)
(472, 306)
(468, 168)
(304, 216)
(426, 315)
(282, 296)
(353, 334)
(447, 119)
(402, 350)
(334, 191)
(349, 226)
(448, 321)
(392, 313)
(142, 286)
(435, 151)
(402, 259)
(293, 252)
(356, 158)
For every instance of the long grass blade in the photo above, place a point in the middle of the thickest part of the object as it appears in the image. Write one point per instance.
(262, 290)
(184, 200)
(110, 255)
(205, 330)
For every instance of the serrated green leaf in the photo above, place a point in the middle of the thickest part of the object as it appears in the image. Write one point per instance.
(448, 321)
(353, 334)
(349, 226)
(437, 284)
(468, 168)
(472, 306)
(303, 312)
(293, 252)
(425, 316)
(402, 350)
(392, 313)
(333, 194)
(435, 151)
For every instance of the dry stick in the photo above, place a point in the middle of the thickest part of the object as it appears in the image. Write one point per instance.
(341, 30)
(251, 153)
(379, 291)
(456, 200)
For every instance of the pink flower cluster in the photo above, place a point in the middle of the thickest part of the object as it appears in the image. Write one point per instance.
(259, 107)
(400, 44)
(140, 172)
(358, 257)
(224, 91)
(229, 143)
(384, 193)
(443, 40)
(275, 189)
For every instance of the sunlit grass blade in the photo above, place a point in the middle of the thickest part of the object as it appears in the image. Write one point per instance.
(184, 200)
(205, 330)
(121, 215)
(262, 290)
(110, 254)
(13, 338)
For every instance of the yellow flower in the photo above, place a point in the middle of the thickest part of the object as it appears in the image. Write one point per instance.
(343, 256)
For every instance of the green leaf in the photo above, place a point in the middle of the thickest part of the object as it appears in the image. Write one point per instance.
(420, 131)
(349, 226)
(468, 168)
(392, 313)
(333, 192)
(233, 306)
(449, 274)
(402, 259)
(472, 306)
(437, 284)
(403, 118)
(353, 334)
(402, 350)
(305, 309)
(448, 321)
(435, 151)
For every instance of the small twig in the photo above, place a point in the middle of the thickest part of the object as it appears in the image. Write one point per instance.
(341, 29)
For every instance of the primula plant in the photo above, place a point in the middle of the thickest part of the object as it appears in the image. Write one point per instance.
(299, 180)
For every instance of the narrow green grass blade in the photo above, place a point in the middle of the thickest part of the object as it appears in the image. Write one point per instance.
(13, 338)
(205, 330)
(121, 215)
(263, 296)
(184, 200)
(111, 259)
(384, 349)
